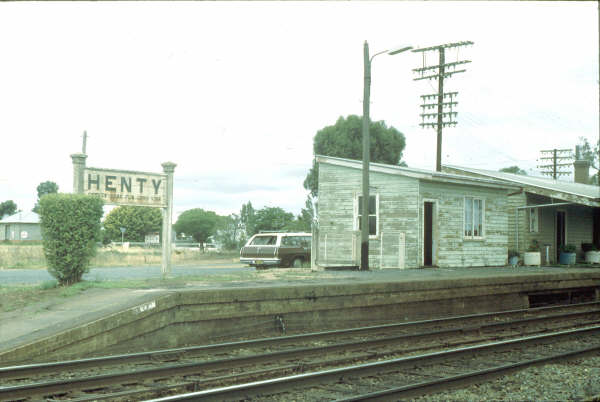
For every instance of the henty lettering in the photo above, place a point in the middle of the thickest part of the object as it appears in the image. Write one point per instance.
(125, 184)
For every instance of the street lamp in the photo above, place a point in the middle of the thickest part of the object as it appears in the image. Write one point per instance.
(364, 221)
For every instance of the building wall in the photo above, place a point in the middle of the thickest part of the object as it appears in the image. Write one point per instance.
(579, 226)
(398, 218)
(12, 231)
(579, 222)
(400, 239)
(453, 250)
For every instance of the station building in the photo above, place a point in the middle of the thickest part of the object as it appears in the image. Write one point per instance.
(459, 217)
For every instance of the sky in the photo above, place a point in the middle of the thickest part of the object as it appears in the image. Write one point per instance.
(234, 92)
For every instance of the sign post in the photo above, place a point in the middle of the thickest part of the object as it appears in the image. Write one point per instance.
(124, 187)
(168, 168)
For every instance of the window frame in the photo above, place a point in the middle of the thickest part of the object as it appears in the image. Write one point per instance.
(534, 220)
(358, 214)
(472, 200)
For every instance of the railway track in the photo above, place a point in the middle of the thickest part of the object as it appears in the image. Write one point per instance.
(417, 374)
(183, 369)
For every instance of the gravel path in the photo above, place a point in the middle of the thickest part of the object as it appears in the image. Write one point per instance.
(575, 380)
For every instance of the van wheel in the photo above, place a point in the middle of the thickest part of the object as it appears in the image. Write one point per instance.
(297, 263)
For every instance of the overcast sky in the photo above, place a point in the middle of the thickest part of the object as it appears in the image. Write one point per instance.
(234, 92)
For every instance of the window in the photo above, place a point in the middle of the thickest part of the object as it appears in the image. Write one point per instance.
(264, 241)
(474, 208)
(373, 214)
(291, 241)
(534, 219)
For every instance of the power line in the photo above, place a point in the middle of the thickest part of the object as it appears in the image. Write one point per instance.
(554, 168)
(444, 102)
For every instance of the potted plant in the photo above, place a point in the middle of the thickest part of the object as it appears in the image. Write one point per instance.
(533, 256)
(567, 254)
(592, 253)
(513, 258)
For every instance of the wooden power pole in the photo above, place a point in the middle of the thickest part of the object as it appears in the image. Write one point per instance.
(553, 167)
(440, 71)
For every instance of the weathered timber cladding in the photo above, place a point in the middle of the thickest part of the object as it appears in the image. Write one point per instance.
(451, 248)
(399, 242)
(578, 217)
(398, 213)
(579, 225)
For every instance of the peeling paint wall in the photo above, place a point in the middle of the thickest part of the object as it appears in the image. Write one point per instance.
(399, 242)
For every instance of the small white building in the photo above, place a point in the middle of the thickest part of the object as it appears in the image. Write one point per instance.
(22, 226)
(417, 218)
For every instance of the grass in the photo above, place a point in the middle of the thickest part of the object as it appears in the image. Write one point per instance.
(15, 297)
(31, 256)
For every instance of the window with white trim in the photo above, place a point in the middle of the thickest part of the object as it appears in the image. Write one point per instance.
(373, 214)
(473, 218)
(534, 220)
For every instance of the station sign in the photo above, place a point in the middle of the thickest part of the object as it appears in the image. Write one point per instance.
(122, 187)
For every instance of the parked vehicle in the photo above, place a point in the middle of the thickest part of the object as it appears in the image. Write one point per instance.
(211, 248)
(277, 250)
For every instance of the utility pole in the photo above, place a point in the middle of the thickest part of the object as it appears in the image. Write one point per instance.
(553, 168)
(364, 238)
(439, 72)
(84, 142)
(366, 151)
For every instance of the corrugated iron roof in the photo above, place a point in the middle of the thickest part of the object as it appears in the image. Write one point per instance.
(417, 173)
(22, 217)
(582, 190)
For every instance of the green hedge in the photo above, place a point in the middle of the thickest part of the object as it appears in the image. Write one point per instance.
(70, 229)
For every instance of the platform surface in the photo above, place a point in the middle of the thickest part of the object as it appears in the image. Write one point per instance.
(40, 320)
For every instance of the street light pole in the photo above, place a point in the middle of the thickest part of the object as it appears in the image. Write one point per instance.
(364, 208)
(364, 219)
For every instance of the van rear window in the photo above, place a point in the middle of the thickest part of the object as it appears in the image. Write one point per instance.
(264, 241)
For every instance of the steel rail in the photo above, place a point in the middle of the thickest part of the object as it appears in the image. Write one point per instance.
(257, 388)
(40, 368)
(442, 384)
(236, 362)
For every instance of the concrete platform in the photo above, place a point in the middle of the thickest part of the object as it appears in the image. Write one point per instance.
(106, 321)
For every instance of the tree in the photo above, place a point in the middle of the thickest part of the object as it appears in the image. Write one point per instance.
(228, 231)
(198, 223)
(303, 222)
(7, 208)
(591, 154)
(137, 221)
(344, 140)
(247, 220)
(47, 187)
(514, 170)
(272, 218)
(70, 226)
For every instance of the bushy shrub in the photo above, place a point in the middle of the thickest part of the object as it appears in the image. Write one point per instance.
(534, 246)
(70, 228)
(568, 248)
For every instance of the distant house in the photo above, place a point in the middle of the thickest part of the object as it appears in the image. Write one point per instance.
(417, 217)
(22, 226)
(552, 212)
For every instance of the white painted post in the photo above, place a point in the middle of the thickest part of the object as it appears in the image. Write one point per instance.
(381, 251)
(78, 167)
(401, 249)
(168, 168)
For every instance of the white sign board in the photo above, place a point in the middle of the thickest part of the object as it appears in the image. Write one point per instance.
(123, 187)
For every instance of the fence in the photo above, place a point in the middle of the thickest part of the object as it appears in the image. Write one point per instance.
(333, 248)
